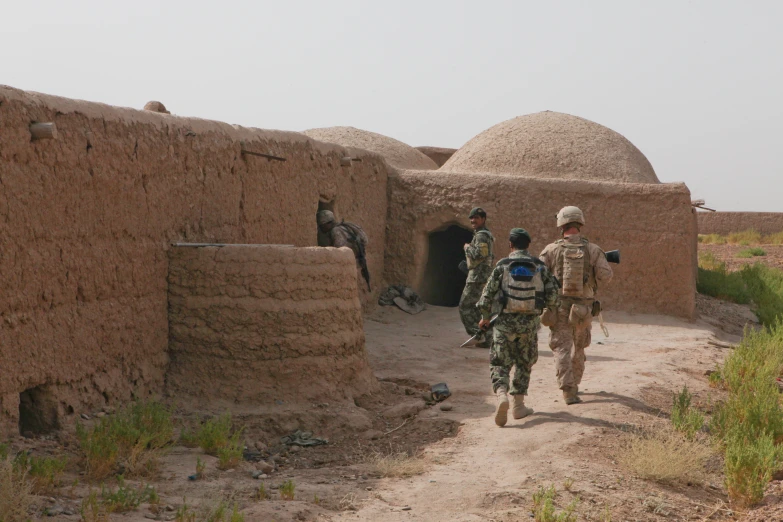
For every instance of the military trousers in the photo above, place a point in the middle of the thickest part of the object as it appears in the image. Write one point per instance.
(516, 348)
(568, 343)
(468, 312)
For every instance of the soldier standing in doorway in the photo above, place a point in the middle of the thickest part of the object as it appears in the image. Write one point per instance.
(479, 256)
(579, 266)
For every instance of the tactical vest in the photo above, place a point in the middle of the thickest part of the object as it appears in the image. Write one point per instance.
(573, 268)
(490, 258)
(522, 285)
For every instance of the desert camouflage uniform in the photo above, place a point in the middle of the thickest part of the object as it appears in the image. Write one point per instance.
(515, 336)
(479, 255)
(570, 364)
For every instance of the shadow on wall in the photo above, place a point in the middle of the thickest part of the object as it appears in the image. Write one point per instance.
(443, 281)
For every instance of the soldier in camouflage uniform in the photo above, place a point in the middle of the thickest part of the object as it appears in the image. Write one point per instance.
(528, 287)
(579, 265)
(479, 257)
(343, 234)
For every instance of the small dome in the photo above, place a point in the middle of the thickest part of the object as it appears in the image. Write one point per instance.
(397, 153)
(553, 145)
(156, 106)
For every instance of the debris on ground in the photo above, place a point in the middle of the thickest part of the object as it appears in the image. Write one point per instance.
(440, 392)
(302, 438)
(403, 297)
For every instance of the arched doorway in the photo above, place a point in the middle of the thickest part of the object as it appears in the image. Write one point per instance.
(443, 281)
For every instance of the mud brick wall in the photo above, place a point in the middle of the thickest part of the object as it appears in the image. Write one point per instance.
(727, 222)
(86, 221)
(256, 324)
(652, 224)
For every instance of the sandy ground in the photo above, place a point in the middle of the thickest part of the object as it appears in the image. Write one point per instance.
(475, 470)
(489, 473)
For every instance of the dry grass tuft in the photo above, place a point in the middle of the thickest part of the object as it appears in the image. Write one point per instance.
(665, 456)
(15, 491)
(746, 237)
(399, 465)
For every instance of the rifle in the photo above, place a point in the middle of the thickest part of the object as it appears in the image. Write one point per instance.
(491, 324)
(363, 265)
(613, 256)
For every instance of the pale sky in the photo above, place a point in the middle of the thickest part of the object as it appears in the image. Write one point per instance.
(696, 85)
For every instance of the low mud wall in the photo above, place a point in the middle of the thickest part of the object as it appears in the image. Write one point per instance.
(87, 218)
(258, 324)
(725, 223)
(652, 224)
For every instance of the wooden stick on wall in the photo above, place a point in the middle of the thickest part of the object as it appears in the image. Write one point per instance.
(43, 131)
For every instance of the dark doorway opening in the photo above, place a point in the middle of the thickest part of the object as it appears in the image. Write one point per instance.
(323, 239)
(443, 280)
(38, 413)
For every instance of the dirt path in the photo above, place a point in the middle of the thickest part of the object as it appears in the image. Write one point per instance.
(489, 473)
(473, 469)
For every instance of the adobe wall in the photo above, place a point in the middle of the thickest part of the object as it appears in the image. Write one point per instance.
(86, 221)
(652, 224)
(258, 323)
(727, 222)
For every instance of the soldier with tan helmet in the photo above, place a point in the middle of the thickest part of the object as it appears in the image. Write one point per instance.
(579, 266)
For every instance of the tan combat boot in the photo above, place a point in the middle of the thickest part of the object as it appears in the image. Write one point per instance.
(570, 396)
(501, 413)
(518, 408)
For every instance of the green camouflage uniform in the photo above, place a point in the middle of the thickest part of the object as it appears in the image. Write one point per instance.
(479, 255)
(515, 337)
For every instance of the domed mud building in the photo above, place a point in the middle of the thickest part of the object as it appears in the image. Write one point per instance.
(138, 247)
(522, 171)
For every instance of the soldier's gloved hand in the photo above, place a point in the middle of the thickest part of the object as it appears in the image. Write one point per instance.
(484, 324)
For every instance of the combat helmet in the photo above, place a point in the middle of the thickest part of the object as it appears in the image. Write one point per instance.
(570, 215)
(324, 216)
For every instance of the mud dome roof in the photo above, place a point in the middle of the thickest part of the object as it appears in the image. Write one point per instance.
(397, 153)
(553, 145)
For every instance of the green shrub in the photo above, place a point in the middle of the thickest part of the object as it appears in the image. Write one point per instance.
(214, 434)
(544, 507)
(757, 283)
(44, 472)
(765, 285)
(749, 424)
(752, 252)
(723, 285)
(287, 490)
(125, 498)
(92, 510)
(750, 463)
(216, 438)
(685, 419)
(231, 454)
(133, 438)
